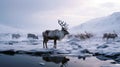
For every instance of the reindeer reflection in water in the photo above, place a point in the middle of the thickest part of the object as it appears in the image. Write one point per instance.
(57, 59)
(55, 34)
(84, 58)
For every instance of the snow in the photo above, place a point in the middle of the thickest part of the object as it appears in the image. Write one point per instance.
(8, 29)
(101, 25)
(72, 46)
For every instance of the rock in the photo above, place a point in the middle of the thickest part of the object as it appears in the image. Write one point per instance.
(85, 51)
(8, 52)
(73, 43)
(102, 46)
(117, 59)
(102, 57)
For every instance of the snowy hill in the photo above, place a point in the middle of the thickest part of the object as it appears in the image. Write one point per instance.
(100, 25)
(7, 29)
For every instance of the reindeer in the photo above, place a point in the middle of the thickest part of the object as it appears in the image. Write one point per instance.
(55, 34)
(84, 36)
(33, 36)
(15, 36)
(109, 35)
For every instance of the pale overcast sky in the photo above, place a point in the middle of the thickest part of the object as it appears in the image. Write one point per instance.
(38, 15)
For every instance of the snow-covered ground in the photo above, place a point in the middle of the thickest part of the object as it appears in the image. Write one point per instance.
(70, 46)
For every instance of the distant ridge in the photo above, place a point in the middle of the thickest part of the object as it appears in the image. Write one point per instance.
(7, 29)
(109, 23)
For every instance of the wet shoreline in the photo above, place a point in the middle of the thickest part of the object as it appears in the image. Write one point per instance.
(58, 60)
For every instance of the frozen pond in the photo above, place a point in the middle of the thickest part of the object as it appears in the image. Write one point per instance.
(52, 61)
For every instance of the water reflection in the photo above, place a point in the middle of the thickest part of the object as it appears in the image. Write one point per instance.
(105, 58)
(60, 59)
(52, 61)
(57, 59)
(84, 57)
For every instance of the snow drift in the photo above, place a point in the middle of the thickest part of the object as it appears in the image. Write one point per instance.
(8, 29)
(105, 24)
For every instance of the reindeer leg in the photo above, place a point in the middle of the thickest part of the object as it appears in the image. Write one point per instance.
(113, 39)
(107, 38)
(46, 43)
(43, 44)
(55, 42)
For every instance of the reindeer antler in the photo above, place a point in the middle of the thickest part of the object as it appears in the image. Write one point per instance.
(63, 24)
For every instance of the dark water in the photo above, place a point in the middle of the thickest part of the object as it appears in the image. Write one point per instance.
(53, 61)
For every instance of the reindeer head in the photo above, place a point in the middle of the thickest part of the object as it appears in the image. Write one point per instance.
(64, 26)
